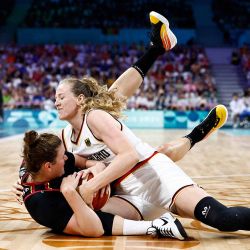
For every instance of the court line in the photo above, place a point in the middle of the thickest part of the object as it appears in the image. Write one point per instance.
(112, 246)
(220, 176)
(5, 190)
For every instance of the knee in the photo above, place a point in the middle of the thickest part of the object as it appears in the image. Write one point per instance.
(215, 214)
(227, 220)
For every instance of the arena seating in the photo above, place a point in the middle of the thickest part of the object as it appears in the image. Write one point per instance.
(179, 80)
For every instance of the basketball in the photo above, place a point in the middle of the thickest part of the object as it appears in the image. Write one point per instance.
(98, 201)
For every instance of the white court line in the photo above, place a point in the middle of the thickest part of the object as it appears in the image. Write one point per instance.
(101, 247)
(219, 176)
(5, 190)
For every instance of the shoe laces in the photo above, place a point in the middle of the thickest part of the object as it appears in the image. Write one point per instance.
(165, 231)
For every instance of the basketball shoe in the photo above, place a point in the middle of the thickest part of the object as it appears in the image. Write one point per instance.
(167, 226)
(161, 35)
(214, 120)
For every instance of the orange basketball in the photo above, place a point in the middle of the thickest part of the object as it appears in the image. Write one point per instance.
(98, 201)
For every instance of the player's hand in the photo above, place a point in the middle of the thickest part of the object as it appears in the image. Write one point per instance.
(70, 182)
(17, 190)
(86, 193)
(96, 169)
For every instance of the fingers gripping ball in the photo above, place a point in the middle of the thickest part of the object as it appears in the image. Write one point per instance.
(98, 201)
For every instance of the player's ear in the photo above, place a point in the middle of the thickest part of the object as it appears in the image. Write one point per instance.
(47, 166)
(80, 99)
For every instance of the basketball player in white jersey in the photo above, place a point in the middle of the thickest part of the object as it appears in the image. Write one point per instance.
(80, 106)
(149, 180)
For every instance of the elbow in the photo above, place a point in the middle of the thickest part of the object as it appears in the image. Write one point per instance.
(134, 156)
(98, 234)
(93, 233)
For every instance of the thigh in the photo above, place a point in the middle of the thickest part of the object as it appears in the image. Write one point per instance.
(187, 199)
(121, 207)
(145, 209)
(156, 182)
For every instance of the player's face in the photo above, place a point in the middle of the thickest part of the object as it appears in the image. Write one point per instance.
(58, 166)
(66, 102)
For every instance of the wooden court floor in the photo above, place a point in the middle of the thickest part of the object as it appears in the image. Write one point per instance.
(221, 164)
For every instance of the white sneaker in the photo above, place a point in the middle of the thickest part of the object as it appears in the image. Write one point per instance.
(167, 226)
(161, 35)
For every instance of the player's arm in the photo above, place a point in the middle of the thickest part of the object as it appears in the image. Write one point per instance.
(84, 221)
(80, 161)
(107, 129)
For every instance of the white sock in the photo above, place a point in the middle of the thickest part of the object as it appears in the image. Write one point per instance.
(131, 227)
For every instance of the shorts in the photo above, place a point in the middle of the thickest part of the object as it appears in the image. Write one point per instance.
(152, 187)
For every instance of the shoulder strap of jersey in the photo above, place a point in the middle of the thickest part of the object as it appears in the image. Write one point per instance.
(30, 188)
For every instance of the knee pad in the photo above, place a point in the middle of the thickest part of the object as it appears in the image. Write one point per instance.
(213, 213)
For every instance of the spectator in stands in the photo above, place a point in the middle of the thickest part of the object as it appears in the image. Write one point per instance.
(1, 105)
(237, 107)
(32, 71)
(235, 59)
(245, 115)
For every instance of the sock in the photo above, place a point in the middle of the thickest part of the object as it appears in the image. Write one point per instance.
(190, 139)
(131, 227)
(196, 135)
(146, 61)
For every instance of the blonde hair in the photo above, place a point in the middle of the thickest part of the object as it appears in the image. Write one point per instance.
(96, 96)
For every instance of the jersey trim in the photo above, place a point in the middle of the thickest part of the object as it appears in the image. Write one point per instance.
(63, 139)
(139, 212)
(138, 165)
(31, 188)
(176, 194)
(91, 130)
(79, 134)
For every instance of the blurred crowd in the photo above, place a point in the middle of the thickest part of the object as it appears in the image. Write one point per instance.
(245, 62)
(240, 109)
(105, 14)
(240, 103)
(178, 80)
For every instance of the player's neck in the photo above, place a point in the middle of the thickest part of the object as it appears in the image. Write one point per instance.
(77, 125)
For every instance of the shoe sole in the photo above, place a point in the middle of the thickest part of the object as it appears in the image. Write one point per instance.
(222, 113)
(180, 229)
(172, 40)
(179, 233)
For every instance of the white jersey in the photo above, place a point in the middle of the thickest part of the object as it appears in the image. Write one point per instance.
(151, 186)
(88, 146)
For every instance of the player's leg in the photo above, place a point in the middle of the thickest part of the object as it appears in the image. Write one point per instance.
(162, 39)
(177, 149)
(165, 226)
(194, 202)
(121, 207)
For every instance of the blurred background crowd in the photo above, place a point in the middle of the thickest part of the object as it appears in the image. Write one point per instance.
(183, 79)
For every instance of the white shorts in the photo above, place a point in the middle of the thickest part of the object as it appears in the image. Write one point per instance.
(152, 187)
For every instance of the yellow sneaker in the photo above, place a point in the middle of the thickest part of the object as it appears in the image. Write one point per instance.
(216, 118)
(161, 35)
